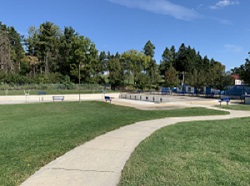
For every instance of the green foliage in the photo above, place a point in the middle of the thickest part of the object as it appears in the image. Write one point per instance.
(52, 52)
(142, 81)
(13, 79)
(192, 68)
(136, 62)
(151, 66)
(10, 44)
(62, 53)
(226, 81)
(115, 72)
(168, 58)
(243, 71)
(149, 49)
(197, 79)
(171, 79)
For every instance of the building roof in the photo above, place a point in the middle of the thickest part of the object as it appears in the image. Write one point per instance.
(235, 76)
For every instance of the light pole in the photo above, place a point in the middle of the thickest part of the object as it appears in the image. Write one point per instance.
(79, 76)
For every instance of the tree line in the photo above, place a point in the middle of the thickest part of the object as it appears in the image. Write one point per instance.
(243, 71)
(51, 55)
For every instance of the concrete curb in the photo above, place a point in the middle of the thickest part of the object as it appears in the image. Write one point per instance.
(48, 98)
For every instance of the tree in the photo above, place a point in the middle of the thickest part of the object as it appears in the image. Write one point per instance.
(181, 59)
(168, 59)
(171, 77)
(17, 51)
(83, 54)
(49, 35)
(142, 81)
(148, 49)
(11, 50)
(44, 44)
(226, 80)
(152, 73)
(197, 79)
(115, 72)
(217, 71)
(151, 67)
(65, 50)
(103, 61)
(136, 62)
(245, 72)
(197, 76)
(185, 62)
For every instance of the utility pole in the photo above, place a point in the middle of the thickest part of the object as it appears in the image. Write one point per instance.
(79, 77)
(183, 78)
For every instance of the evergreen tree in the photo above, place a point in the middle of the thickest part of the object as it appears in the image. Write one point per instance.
(115, 71)
(149, 49)
(65, 50)
(171, 77)
(168, 59)
(151, 67)
(245, 72)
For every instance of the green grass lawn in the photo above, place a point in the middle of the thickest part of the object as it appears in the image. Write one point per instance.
(236, 107)
(31, 135)
(195, 153)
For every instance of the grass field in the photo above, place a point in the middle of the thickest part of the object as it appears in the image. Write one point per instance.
(31, 135)
(194, 153)
(236, 107)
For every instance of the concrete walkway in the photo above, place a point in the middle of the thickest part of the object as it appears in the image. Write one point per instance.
(48, 98)
(100, 161)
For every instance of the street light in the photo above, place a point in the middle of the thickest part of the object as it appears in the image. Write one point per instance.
(79, 77)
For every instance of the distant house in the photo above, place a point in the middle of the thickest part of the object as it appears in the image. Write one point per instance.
(237, 80)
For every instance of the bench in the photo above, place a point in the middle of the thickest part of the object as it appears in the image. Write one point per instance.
(41, 93)
(108, 98)
(224, 100)
(58, 98)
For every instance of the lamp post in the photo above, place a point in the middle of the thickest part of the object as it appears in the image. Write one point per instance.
(79, 77)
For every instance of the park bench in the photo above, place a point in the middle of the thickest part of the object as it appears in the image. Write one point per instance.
(108, 98)
(41, 95)
(224, 100)
(58, 98)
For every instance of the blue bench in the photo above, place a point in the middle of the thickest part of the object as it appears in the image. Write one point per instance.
(41, 93)
(108, 98)
(58, 98)
(224, 100)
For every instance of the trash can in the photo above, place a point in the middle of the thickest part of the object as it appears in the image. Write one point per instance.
(247, 99)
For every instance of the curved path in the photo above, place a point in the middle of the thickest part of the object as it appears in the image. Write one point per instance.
(100, 161)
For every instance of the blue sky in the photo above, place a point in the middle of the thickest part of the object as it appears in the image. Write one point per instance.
(219, 29)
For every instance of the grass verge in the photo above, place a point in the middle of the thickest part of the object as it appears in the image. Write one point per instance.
(31, 135)
(236, 107)
(194, 153)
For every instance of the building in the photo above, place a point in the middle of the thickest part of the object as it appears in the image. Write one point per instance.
(237, 80)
